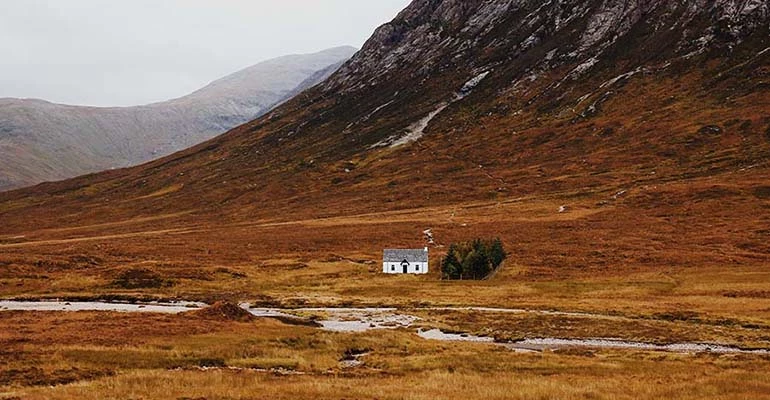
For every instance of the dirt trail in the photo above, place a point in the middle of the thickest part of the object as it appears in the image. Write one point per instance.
(49, 242)
(428, 215)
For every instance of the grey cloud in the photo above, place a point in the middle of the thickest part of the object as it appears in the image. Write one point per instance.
(128, 52)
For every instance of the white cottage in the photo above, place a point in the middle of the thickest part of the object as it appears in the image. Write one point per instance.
(405, 261)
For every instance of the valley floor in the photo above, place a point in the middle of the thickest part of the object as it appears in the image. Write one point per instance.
(682, 271)
(150, 356)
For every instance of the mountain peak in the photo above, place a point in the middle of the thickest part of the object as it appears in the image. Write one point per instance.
(431, 34)
(278, 74)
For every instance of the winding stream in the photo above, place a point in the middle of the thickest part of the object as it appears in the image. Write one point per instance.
(542, 344)
(345, 319)
(366, 319)
(150, 307)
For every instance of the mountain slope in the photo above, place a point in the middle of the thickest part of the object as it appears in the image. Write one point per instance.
(41, 141)
(644, 102)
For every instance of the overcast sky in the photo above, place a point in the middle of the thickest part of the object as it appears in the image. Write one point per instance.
(128, 52)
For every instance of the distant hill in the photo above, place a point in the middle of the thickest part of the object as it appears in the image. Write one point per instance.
(42, 141)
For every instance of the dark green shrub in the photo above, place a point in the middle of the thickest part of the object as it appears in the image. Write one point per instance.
(450, 265)
(473, 260)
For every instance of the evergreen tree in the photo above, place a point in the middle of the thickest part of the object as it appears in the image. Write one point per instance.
(473, 260)
(450, 266)
(472, 264)
(497, 253)
(483, 265)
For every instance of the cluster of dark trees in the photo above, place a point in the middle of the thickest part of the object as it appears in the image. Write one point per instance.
(473, 260)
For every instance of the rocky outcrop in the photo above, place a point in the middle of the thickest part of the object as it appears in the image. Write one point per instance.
(434, 34)
(538, 49)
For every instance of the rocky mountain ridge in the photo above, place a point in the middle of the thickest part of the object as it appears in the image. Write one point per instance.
(430, 36)
(426, 29)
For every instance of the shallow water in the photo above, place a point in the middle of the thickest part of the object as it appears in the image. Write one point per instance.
(151, 307)
(347, 319)
(366, 319)
(541, 344)
(519, 311)
(436, 334)
(554, 343)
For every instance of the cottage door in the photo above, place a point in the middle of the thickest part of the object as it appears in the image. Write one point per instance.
(405, 266)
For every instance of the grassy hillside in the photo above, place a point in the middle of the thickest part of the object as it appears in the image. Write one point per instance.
(625, 170)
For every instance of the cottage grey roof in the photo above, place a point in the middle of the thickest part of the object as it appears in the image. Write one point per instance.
(410, 255)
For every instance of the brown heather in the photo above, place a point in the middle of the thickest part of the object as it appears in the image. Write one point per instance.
(665, 184)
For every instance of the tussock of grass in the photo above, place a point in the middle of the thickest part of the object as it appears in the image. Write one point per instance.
(647, 380)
